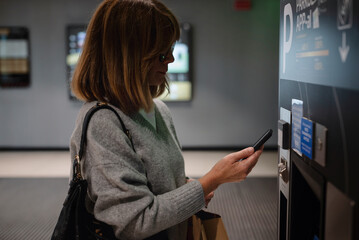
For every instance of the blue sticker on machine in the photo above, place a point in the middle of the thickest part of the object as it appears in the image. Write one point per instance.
(297, 114)
(307, 138)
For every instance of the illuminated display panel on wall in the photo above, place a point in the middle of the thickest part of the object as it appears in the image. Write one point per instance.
(179, 77)
(14, 57)
(75, 39)
(179, 72)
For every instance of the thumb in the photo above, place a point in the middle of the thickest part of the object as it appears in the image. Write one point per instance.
(236, 156)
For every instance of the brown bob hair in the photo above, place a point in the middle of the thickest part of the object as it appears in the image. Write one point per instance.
(123, 39)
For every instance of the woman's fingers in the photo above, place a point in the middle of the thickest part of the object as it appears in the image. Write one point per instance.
(208, 198)
(237, 156)
(230, 169)
(251, 161)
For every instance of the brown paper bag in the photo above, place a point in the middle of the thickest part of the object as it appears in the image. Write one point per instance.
(206, 226)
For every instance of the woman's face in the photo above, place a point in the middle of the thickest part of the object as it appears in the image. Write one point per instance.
(157, 74)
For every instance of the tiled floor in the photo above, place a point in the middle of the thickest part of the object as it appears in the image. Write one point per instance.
(248, 208)
(57, 163)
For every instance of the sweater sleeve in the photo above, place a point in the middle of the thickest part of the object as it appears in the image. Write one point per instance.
(118, 185)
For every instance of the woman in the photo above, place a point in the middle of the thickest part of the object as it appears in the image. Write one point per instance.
(124, 62)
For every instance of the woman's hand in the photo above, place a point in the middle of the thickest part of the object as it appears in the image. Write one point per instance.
(230, 169)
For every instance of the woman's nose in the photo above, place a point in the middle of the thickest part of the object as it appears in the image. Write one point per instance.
(169, 58)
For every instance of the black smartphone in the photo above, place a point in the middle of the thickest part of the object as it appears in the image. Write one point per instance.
(262, 139)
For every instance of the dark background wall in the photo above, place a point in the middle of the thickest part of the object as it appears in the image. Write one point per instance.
(235, 74)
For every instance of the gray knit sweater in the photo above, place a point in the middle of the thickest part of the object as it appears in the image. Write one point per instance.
(138, 193)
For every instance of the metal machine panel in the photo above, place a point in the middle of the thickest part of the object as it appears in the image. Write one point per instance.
(339, 215)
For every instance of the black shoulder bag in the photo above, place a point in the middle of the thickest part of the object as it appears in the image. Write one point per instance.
(74, 222)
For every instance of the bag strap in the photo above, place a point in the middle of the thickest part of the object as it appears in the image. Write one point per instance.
(77, 175)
